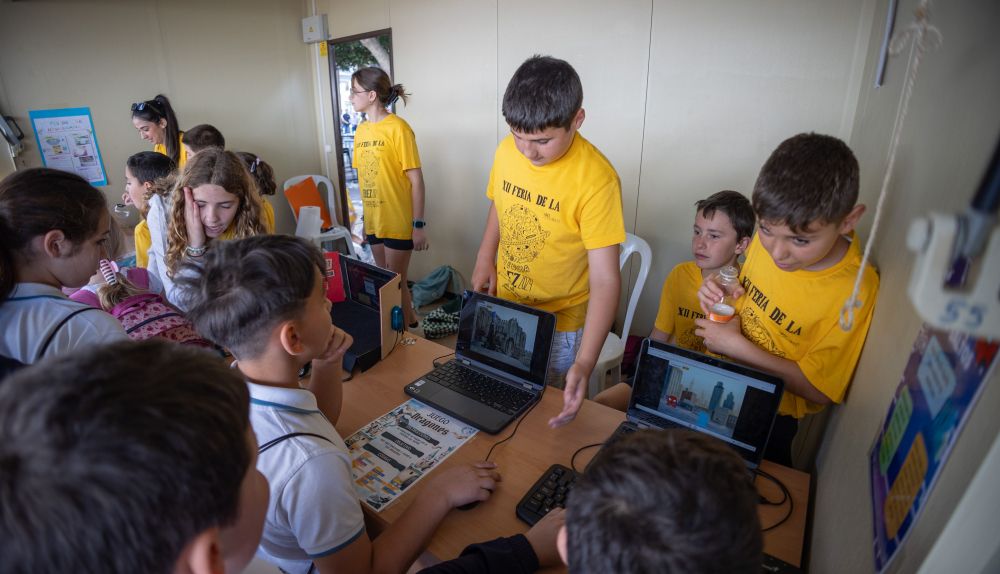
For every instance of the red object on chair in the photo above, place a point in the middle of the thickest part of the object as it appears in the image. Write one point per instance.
(334, 277)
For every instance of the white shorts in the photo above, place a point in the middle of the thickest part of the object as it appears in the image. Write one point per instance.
(565, 345)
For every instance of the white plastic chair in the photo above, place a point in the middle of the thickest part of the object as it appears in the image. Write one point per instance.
(614, 346)
(332, 197)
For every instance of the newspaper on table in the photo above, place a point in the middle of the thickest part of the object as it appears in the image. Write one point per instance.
(394, 451)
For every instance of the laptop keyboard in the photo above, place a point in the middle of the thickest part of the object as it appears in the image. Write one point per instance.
(503, 397)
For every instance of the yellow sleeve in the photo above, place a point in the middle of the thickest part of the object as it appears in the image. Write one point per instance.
(143, 241)
(829, 363)
(601, 222)
(267, 215)
(406, 147)
(665, 314)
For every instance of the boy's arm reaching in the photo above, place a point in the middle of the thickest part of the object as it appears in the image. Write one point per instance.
(605, 286)
(398, 546)
(484, 276)
(727, 339)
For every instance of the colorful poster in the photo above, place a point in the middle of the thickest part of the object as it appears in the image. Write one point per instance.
(397, 449)
(940, 384)
(67, 141)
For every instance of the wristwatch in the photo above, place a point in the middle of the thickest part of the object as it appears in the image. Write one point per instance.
(419, 224)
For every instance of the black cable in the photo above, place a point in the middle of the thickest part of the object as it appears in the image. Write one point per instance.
(786, 497)
(513, 432)
(572, 459)
(435, 361)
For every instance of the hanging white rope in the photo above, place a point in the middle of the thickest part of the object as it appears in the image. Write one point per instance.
(925, 38)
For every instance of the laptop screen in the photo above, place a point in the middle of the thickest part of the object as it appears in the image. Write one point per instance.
(511, 338)
(730, 402)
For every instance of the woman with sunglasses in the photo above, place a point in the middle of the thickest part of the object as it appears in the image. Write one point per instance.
(157, 123)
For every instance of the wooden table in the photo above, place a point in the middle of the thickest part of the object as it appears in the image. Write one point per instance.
(523, 458)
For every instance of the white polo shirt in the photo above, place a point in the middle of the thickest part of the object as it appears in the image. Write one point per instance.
(313, 511)
(156, 219)
(33, 310)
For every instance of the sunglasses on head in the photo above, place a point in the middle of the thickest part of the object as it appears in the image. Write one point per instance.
(139, 106)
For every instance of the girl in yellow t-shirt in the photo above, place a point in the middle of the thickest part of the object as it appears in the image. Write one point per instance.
(389, 176)
(156, 122)
(263, 176)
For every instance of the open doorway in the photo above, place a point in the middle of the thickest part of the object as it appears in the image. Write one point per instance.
(347, 55)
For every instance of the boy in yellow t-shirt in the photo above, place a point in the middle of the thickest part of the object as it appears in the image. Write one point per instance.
(723, 226)
(799, 272)
(141, 170)
(555, 222)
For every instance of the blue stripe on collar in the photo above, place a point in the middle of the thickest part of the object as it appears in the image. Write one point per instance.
(282, 407)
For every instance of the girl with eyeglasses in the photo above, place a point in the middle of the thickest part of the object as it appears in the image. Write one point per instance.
(156, 122)
(389, 176)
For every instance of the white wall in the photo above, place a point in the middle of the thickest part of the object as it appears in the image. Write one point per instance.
(239, 65)
(950, 132)
(684, 98)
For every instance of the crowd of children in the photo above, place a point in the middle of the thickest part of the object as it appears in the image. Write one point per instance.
(73, 427)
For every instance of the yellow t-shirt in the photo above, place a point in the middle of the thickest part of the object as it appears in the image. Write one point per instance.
(795, 315)
(142, 243)
(679, 306)
(383, 151)
(550, 216)
(160, 148)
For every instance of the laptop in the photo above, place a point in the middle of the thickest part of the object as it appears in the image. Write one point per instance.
(362, 313)
(678, 388)
(501, 359)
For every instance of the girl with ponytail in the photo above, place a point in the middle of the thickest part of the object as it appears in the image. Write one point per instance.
(156, 122)
(389, 175)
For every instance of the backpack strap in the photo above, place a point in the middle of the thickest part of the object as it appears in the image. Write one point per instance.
(52, 334)
(275, 441)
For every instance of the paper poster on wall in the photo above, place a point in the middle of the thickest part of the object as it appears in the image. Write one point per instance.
(67, 141)
(941, 382)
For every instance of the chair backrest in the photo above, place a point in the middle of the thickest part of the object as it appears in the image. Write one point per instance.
(637, 245)
(332, 202)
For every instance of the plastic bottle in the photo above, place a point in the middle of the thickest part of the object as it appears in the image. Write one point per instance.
(728, 279)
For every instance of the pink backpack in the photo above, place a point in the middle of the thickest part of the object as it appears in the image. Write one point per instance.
(148, 315)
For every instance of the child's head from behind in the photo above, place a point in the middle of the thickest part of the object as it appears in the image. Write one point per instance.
(257, 294)
(805, 198)
(225, 195)
(663, 501)
(260, 171)
(723, 225)
(141, 172)
(131, 457)
(201, 137)
(372, 87)
(543, 106)
(53, 225)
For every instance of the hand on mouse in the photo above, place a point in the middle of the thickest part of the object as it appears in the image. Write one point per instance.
(467, 483)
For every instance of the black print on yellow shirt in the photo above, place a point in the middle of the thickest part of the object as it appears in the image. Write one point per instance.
(522, 238)
(524, 194)
(690, 313)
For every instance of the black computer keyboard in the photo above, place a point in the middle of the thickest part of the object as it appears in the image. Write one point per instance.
(547, 493)
(551, 490)
(503, 397)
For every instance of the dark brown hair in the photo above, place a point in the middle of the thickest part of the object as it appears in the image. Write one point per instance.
(735, 205)
(544, 92)
(157, 109)
(260, 172)
(114, 458)
(241, 289)
(377, 80)
(203, 136)
(664, 501)
(36, 201)
(808, 178)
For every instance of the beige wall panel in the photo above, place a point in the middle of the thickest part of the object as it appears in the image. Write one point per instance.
(239, 65)
(350, 17)
(728, 81)
(445, 55)
(950, 132)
